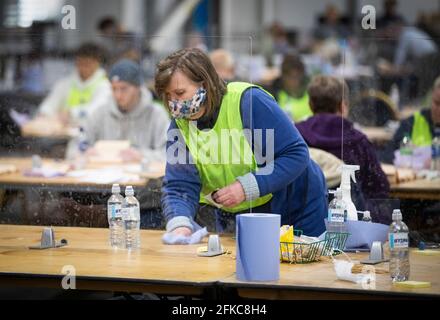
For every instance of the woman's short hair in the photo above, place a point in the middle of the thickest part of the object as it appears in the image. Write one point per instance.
(326, 94)
(291, 62)
(196, 65)
(91, 50)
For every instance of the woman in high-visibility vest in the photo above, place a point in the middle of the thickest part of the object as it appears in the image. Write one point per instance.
(422, 127)
(232, 146)
(290, 90)
(83, 91)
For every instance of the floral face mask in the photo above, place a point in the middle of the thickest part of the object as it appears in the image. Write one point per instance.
(185, 109)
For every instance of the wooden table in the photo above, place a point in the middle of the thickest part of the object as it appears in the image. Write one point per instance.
(318, 281)
(46, 186)
(46, 127)
(165, 269)
(420, 189)
(158, 268)
(17, 180)
(377, 134)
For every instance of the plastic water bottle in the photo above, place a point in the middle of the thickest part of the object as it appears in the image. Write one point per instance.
(337, 213)
(114, 214)
(435, 155)
(406, 152)
(131, 217)
(399, 251)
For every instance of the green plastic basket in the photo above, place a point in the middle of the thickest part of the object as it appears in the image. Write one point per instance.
(298, 252)
(337, 240)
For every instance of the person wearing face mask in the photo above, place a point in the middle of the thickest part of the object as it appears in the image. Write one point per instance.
(204, 108)
(130, 115)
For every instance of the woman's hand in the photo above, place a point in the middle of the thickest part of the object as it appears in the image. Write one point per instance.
(182, 231)
(230, 196)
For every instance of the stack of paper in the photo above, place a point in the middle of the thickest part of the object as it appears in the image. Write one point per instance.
(43, 126)
(109, 151)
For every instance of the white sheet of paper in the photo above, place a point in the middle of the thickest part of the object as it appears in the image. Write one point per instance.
(103, 176)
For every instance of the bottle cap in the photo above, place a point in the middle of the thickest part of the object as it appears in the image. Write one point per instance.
(397, 214)
(367, 215)
(129, 191)
(116, 188)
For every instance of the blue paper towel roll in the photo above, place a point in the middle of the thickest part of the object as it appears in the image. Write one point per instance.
(258, 247)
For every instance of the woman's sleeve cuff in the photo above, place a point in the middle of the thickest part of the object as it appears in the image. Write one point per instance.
(177, 222)
(250, 186)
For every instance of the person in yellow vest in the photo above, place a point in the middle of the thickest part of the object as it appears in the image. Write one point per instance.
(83, 91)
(230, 146)
(290, 89)
(420, 127)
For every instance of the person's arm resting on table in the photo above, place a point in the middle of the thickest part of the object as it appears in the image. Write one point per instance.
(181, 190)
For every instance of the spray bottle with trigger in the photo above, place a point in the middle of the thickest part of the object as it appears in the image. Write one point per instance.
(348, 172)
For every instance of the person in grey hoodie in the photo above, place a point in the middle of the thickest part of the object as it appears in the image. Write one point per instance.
(130, 115)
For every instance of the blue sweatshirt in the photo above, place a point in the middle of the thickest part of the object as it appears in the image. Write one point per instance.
(296, 182)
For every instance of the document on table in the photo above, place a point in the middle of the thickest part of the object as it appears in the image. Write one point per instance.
(103, 176)
(50, 170)
(109, 150)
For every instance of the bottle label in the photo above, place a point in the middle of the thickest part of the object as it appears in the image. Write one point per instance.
(114, 211)
(130, 213)
(335, 215)
(398, 240)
